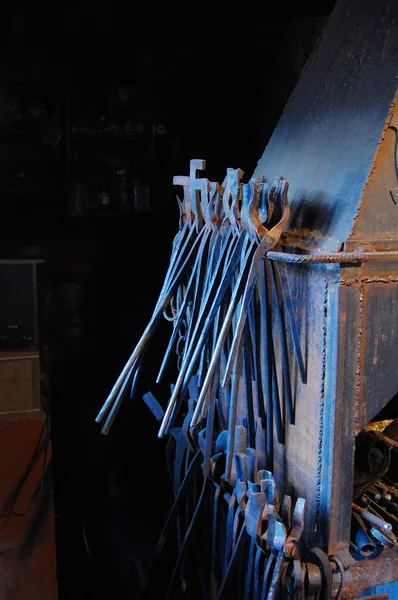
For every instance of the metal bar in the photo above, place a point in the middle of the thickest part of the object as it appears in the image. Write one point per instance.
(339, 257)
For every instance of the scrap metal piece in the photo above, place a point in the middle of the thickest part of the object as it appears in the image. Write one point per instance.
(286, 512)
(387, 538)
(254, 515)
(360, 540)
(372, 518)
(326, 569)
(313, 580)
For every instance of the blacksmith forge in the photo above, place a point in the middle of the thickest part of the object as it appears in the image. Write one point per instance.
(336, 143)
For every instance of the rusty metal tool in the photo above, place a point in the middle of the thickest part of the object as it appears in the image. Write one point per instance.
(260, 443)
(184, 247)
(249, 571)
(372, 518)
(195, 165)
(268, 239)
(215, 535)
(199, 336)
(211, 345)
(149, 331)
(287, 390)
(179, 499)
(226, 323)
(231, 212)
(178, 256)
(203, 280)
(196, 351)
(264, 358)
(265, 212)
(131, 379)
(232, 431)
(209, 434)
(235, 557)
(266, 373)
(297, 526)
(221, 339)
(186, 538)
(253, 515)
(182, 312)
(281, 272)
(215, 244)
(203, 189)
(323, 561)
(247, 377)
(229, 531)
(386, 538)
(192, 291)
(185, 204)
(276, 404)
(275, 537)
(258, 571)
(382, 501)
(266, 576)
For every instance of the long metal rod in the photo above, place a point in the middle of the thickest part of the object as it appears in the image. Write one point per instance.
(338, 257)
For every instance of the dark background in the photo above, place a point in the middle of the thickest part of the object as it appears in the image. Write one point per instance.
(213, 86)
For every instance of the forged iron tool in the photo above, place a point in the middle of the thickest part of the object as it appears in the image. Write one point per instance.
(246, 281)
(185, 247)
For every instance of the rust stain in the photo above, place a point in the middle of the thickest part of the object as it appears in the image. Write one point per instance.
(359, 281)
(358, 369)
(376, 161)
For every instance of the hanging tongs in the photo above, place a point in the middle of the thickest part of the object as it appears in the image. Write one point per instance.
(185, 247)
(263, 240)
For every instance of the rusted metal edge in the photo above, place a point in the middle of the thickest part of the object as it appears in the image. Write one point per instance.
(359, 281)
(360, 575)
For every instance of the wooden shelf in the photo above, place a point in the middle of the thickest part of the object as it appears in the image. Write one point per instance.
(18, 354)
(21, 261)
(114, 145)
(31, 413)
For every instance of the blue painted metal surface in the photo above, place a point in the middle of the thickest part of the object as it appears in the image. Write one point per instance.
(391, 588)
(326, 140)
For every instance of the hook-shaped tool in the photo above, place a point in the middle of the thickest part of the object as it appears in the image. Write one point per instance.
(185, 205)
(268, 239)
(234, 178)
(196, 164)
